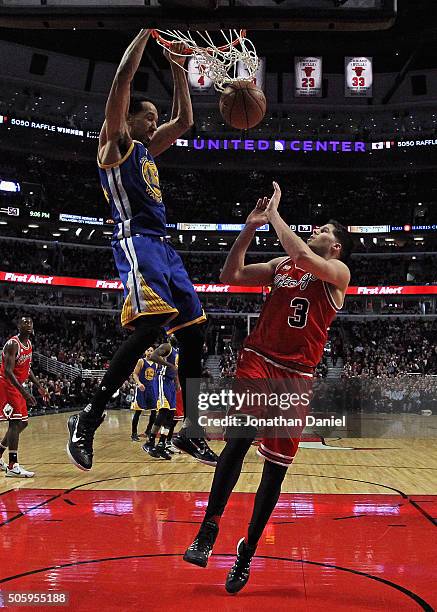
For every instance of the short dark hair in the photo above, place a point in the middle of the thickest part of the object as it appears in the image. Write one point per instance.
(345, 239)
(136, 104)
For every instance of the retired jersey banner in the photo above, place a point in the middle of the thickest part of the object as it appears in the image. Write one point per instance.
(199, 83)
(260, 75)
(308, 76)
(358, 79)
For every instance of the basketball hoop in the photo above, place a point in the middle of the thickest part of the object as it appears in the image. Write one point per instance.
(217, 62)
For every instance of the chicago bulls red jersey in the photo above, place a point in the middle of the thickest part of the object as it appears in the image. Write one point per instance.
(23, 360)
(292, 328)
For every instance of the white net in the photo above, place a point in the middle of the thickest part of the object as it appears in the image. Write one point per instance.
(219, 62)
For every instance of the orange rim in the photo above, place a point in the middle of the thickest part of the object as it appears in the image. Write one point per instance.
(189, 51)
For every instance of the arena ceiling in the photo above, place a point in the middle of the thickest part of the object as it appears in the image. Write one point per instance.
(413, 38)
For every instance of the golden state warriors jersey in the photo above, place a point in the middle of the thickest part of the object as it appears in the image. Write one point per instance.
(131, 187)
(166, 372)
(148, 372)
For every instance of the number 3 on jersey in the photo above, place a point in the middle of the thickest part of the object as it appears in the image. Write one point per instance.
(300, 307)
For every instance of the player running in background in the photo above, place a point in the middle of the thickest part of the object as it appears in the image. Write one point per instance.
(157, 289)
(308, 288)
(167, 358)
(14, 398)
(146, 391)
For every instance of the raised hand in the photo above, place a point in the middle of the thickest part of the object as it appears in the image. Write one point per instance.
(273, 203)
(176, 47)
(258, 215)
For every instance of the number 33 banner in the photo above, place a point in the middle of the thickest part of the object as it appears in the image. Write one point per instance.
(308, 76)
(358, 77)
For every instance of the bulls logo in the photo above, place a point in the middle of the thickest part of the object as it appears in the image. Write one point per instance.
(7, 411)
(151, 178)
(358, 70)
(308, 70)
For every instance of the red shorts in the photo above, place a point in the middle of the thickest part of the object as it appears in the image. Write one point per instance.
(252, 366)
(13, 406)
(179, 416)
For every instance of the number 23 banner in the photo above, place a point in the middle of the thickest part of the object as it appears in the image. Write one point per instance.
(358, 77)
(308, 76)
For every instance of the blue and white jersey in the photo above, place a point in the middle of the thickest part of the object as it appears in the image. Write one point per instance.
(148, 372)
(165, 372)
(131, 187)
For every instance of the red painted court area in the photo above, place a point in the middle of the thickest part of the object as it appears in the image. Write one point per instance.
(121, 550)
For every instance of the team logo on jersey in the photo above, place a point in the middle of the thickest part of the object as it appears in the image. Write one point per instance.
(8, 410)
(151, 178)
(106, 194)
(149, 373)
(23, 358)
(283, 280)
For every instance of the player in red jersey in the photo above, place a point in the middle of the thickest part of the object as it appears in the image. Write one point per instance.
(308, 287)
(14, 398)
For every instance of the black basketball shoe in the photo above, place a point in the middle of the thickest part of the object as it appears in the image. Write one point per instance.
(240, 571)
(163, 452)
(201, 549)
(80, 443)
(152, 451)
(196, 447)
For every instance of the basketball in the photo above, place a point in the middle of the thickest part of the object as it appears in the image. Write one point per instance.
(242, 105)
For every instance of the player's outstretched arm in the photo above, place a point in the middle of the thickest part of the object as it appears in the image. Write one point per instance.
(253, 275)
(182, 110)
(115, 127)
(332, 271)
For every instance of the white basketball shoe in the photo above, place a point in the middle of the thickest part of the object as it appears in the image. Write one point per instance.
(18, 472)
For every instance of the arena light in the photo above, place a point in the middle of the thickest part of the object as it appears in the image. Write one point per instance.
(3, 222)
(33, 225)
(10, 186)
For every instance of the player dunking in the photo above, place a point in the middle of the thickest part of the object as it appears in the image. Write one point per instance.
(14, 398)
(308, 287)
(157, 289)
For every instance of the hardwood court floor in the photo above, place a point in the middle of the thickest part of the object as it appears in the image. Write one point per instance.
(356, 527)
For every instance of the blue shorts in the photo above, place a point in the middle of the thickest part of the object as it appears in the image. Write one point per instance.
(147, 399)
(155, 282)
(166, 393)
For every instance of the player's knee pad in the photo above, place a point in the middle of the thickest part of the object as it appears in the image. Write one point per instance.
(191, 337)
(273, 473)
(145, 324)
(162, 418)
(169, 421)
(240, 442)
